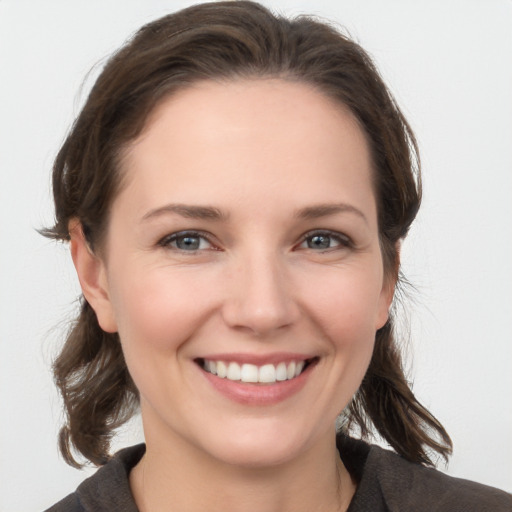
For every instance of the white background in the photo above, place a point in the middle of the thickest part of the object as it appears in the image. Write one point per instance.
(449, 63)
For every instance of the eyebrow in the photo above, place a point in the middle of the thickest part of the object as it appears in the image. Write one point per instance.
(188, 211)
(212, 213)
(324, 210)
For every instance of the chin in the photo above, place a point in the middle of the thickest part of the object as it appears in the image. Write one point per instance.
(252, 455)
(260, 446)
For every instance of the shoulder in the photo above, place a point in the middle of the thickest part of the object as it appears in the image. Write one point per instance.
(409, 486)
(394, 484)
(108, 489)
(69, 504)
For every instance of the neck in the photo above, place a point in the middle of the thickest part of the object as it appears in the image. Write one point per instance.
(174, 473)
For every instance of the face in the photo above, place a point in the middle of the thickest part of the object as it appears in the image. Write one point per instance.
(242, 269)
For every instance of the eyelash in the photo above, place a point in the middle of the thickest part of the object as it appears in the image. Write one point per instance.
(166, 241)
(341, 240)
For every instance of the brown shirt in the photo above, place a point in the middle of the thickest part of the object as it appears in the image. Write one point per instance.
(386, 483)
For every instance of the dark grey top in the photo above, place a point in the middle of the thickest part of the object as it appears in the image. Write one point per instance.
(386, 483)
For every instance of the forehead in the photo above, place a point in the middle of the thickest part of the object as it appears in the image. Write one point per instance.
(249, 137)
(262, 101)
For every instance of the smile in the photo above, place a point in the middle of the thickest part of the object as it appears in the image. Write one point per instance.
(251, 373)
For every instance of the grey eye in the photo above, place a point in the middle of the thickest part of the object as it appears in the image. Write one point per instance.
(324, 240)
(188, 242)
(319, 241)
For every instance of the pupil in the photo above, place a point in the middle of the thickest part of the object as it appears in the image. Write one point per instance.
(188, 242)
(319, 242)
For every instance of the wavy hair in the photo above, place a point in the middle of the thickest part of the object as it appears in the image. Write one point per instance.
(224, 41)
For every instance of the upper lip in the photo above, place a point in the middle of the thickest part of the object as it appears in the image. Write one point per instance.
(258, 359)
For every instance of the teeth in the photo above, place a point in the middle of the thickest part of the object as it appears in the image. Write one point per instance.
(281, 373)
(234, 371)
(249, 373)
(290, 371)
(268, 373)
(222, 369)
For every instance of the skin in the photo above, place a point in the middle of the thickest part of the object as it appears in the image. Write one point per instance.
(265, 154)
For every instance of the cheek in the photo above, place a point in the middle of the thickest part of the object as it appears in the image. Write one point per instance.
(157, 312)
(346, 310)
(347, 304)
(350, 328)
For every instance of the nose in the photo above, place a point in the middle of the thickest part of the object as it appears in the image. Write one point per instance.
(260, 298)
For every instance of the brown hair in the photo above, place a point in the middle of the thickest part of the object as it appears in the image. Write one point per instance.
(227, 40)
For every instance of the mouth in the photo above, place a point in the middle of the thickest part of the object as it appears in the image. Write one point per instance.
(256, 374)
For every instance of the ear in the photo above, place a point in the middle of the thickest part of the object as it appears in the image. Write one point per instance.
(92, 276)
(388, 289)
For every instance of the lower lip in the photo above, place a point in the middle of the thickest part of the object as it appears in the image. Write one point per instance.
(259, 394)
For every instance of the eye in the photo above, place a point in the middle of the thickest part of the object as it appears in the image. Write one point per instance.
(189, 241)
(324, 240)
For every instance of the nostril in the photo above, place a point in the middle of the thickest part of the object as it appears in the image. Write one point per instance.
(260, 303)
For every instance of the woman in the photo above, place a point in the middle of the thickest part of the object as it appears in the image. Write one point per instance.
(235, 192)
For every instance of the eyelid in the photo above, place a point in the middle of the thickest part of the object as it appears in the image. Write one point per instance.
(167, 239)
(343, 239)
